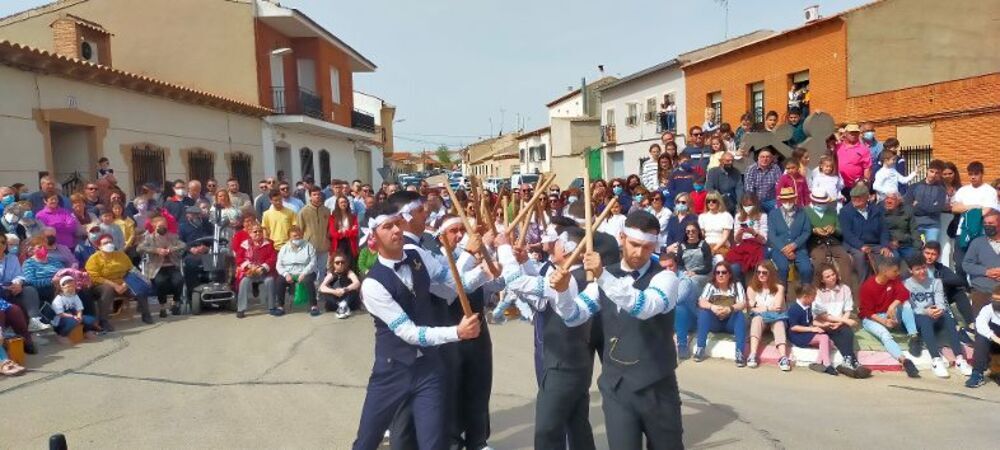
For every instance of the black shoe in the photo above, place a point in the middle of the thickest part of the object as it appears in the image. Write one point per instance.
(916, 346)
(30, 349)
(911, 370)
(106, 325)
(163, 313)
(147, 319)
(175, 310)
(241, 314)
(817, 367)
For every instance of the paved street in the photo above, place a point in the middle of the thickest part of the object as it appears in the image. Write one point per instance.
(298, 382)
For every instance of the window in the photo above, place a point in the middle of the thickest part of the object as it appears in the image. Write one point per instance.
(324, 168)
(633, 115)
(609, 117)
(541, 152)
(798, 91)
(240, 167)
(522, 155)
(651, 110)
(306, 161)
(668, 118)
(757, 101)
(715, 102)
(201, 166)
(616, 165)
(147, 166)
(335, 84)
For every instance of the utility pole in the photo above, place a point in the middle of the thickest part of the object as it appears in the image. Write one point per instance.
(725, 8)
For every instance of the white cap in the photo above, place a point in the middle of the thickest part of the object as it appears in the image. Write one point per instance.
(66, 279)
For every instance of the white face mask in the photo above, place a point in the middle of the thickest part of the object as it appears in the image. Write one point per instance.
(10, 218)
(747, 208)
(788, 206)
(297, 242)
(108, 248)
(180, 192)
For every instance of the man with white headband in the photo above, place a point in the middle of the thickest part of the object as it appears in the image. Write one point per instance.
(408, 364)
(567, 363)
(635, 300)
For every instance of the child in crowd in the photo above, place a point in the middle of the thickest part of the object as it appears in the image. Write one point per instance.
(805, 331)
(698, 194)
(793, 178)
(69, 311)
(933, 316)
(888, 179)
(826, 179)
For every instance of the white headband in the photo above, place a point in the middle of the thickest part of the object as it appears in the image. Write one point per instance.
(550, 234)
(639, 235)
(408, 208)
(377, 221)
(568, 245)
(448, 223)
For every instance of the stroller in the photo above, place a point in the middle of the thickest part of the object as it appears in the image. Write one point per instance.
(218, 266)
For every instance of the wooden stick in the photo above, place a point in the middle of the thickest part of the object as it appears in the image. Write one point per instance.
(505, 203)
(534, 198)
(461, 212)
(464, 299)
(588, 212)
(579, 249)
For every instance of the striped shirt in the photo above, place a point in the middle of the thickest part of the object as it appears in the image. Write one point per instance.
(650, 174)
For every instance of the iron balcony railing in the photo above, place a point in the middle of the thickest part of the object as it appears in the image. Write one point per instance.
(305, 102)
(362, 121)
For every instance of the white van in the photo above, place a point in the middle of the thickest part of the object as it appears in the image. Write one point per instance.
(518, 179)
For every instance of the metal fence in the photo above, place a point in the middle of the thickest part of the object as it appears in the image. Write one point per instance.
(917, 159)
(240, 167)
(147, 167)
(201, 166)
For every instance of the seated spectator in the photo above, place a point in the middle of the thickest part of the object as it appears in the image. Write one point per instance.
(933, 316)
(14, 318)
(193, 227)
(15, 288)
(766, 305)
(10, 220)
(163, 251)
(657, 207)
(682, 177)
(826, 180)
(750, 235)
(68, 309)
(84, 250)
(58, 251)
(695, 255)
(884, 307)
(826, 243)
(955, 288)
(681, 217)
(82, 216)
(787, 234)
(904, 237)
(613, 225)
(255, 262)
(982, 259)
(39, 270)
(792, 178)
(699, 195)
(987, 339)
(126, 224)
(296, 269)
(717, 224)
(722, 304)
(863, 227)
(8, 367)
(805, 331)
(61, 220)
(107, 268)
(340, 289)
(108, 226)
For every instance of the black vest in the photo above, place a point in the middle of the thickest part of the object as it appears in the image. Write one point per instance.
(416, 303)
(637, 353)
(566, 347)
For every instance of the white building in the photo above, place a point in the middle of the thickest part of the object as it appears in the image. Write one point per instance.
(636, 110)
(534, 148)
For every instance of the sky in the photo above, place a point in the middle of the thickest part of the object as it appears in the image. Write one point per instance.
(462, 70)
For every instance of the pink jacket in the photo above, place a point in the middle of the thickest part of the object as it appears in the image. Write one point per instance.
(64, 223)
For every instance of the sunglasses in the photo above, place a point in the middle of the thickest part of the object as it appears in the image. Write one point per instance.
(690, 231)
(695, 134)
(763, 272)
(710, 201)
(722, 272)
(283, 189)
(338, 262)
(91, 188)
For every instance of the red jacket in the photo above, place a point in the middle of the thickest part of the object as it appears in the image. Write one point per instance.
(262, 254)
(351, 234)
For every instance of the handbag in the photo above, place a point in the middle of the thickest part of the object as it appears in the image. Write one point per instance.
(771, 316)
(301, 294)
(138, 284)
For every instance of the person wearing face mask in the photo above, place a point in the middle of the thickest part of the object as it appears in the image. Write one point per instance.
(107, 269)
(88, 247)
(987, 339)
(296, 267)
(982, 259)
(698, 195)
(683, 215)
(10, 221)
(726, 180)
(868, 139)
(163, 251)
(787, 234)
(177, 203)
(15, 288)
(826, 242)
(749, 237)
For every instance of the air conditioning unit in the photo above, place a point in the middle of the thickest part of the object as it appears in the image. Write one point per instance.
(812, 13)
(88, 52)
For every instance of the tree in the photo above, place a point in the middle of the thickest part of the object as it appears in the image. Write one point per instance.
(443, 155)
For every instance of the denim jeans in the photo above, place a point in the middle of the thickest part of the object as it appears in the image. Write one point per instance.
(66, 325)
(904, 315)
(802, 264)
(687, 309)
(735, 324)
(929, 327)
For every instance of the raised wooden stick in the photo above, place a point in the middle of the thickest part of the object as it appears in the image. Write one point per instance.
(472, 231)
(505, 204)
(579, 249)
(534, 198)
(588, 212)
(464, 299)
(461, 211)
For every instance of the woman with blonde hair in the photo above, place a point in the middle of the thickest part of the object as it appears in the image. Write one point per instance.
(717, 224)
(766, 303)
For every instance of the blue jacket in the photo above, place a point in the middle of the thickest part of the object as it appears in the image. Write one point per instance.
(779, 234)
(928, 202)
(859, 231)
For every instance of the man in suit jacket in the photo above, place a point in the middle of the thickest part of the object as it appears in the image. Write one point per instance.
(788, 231)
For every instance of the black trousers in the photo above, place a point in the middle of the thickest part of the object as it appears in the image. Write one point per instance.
(474, 385)
(843, 339)
(402, 433)
(193, 273)
(983, 349)
(281, 287)
(562, 410)
(168, 281)
(390, 385)
(654, 411)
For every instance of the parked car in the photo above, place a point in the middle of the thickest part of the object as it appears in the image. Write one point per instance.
(494, 184)
(518, 179)
(577, 183)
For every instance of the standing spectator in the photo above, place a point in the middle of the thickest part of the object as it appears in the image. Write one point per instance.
(278, 219)
(928, 199)
(340, 288)
(614, 224)
(696, 148)
(788, 232)
(793, 178)
(682, 178)
(255, 263)
(987, 339)
(239, 199)
(746, 126)
(863, 227)
(59, 219)
(904, 238)
(892, 145)
(47, 188)
(104, 169)
(313, 220)
(107, 269)
(699, 195)
(750, 236)
(263, 199)
(887, 178)
(343, 229)
(126, 224)
(718, 148)
(826, 180)
(92, 199)
(79, 210)
(884, 307)
(766, 304)
(868, 139)
(649, 168)
(107, 226)
(662, 214)
(826, 242)
(796, 119)
(224, 214)
(975, 195)
(933, 316)
(177, 203)
(771, 121)
(296, 268)
(722, 305)
(762, 178)
(726, 180)
(163, 251)
(195, 192)
(211, 187)
(717, 224)
(952, 182)
(982, 261)
(290, 201)
(854, 158)
(711, 124)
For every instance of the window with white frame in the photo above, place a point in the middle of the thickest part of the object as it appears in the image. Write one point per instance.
(651, 110)
(335, 84)
(609, 117)
(632, 119)
(757, 101)
(715, 102)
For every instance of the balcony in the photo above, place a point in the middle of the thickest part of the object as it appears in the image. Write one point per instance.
(608, 135)
(362, 121)
(304, 102)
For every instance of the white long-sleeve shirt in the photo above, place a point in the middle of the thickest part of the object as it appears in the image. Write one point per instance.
(660, 297)
(986, 316)
(380, 303)
(888, 179)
